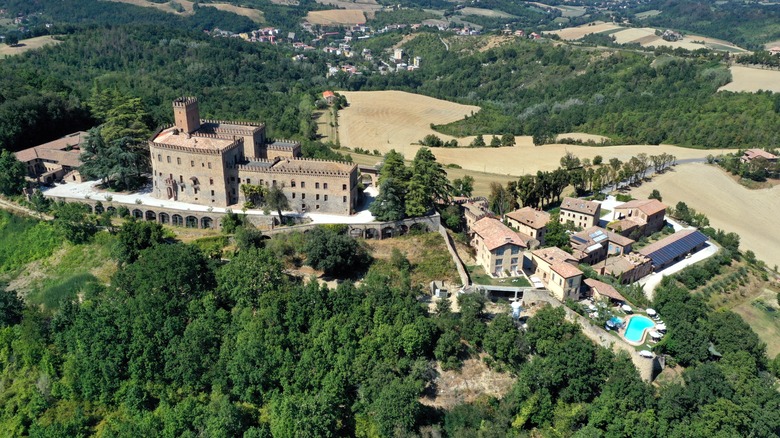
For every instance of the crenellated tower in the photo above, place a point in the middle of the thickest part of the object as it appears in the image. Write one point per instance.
(186, 114)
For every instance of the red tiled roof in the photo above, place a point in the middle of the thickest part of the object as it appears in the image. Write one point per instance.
(64, 151)
(328, 94)
(565, 270)
(755, 153)
(530, 217)
(495, 234)
(604, 289)
(553, 255)
(580, 205)
(646, 206)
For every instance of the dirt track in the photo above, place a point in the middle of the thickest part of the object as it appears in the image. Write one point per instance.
(750, 213)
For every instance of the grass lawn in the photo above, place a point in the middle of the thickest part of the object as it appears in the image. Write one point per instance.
(478, 276)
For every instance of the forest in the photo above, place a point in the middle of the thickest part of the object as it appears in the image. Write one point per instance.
(180, 344)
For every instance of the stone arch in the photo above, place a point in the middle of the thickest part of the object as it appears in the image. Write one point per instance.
(403, 229)
(151, 216)
(164, 218)
(177, 220)
(368, 179)
(388, 232)
(371, 233)
(111, 210)
(138, 214)
(356, 233)
(419, 227)
(206, 222)
(191, 222)
(99, 209)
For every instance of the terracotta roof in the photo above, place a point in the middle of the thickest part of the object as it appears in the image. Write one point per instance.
(624, 225)
(327, 94)
(646, 206)
(309, 165)
(594, 235)
(604, 289)
(495, 234)
(530, 217)
(65, 151)
(553, 255)
(580, 205)
(755, 153)
(565, 270)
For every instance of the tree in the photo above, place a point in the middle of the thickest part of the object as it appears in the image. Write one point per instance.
(597, 160)
(12, 39)
(557, 233)
(390, 204)
(252, 273)
(277, 200)
(655, 194)
(478, 142)
(495, 142)
(333, 252)
(119, 161)
(463, 186)
(134, 237)
(504, 342)
(427, 185)
(248, 237)
(12, 173)
(570, 161)
(500, 201)
(11, 308)
(507, 140)
(394, 167)
(74, 221)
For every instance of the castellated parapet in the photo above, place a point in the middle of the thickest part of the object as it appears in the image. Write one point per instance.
(205, 162)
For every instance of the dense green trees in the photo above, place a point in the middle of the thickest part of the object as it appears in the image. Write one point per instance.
(334, 252)
(12, 173)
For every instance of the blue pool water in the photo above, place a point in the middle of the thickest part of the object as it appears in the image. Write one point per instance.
(616, 321)
(636, 328)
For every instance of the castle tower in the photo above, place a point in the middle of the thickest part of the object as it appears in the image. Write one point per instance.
(186, 115)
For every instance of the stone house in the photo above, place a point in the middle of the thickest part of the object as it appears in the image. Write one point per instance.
(498, 248)
(558, 271)
(56, 160)
(529, 221)
(640, 217)
(581, 213)
(595, 244)
(627, 268)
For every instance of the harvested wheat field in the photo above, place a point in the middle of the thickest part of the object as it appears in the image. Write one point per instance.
(646, 37)
(385, 120)
(334, 17)
(363, 5)
(581, 136)
(575, 33)
(186, 5)
(752, 79)
(485, 13)
(252, 14)
(750, 213)
(25, 45)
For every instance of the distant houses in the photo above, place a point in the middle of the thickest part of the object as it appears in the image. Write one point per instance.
(752, 154)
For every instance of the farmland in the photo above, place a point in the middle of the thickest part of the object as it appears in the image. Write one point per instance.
(336, 17)
(752, 80)
(28, 44)
(750, 213)
(253, 14)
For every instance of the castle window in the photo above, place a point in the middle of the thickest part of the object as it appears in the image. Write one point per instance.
(181, 179)
(317, 206)
(293, 195)
(168, 158)
(192, 163)
(316, 185)
(209, 164)
(159, 157)
(232, 179)
(182, 188)
(326, 197)
(303, 195)
(317, 197)
(178, 160)
(325, 186)
(292, 183)
(303, 184)
(273, 183)
(343, 187)
(344, 199)
(212, 193)
(248, 181)
(211, 181)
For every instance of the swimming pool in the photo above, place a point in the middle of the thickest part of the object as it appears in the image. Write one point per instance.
(636, 328)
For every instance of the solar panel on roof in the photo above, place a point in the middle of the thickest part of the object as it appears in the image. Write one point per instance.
(578, 239)
(683, 245)
(600, 238)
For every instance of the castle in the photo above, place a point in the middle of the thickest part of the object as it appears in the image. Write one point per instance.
(208, 161)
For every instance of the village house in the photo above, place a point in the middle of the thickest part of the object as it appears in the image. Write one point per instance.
(674, 248)
(581, 213)
(752, 154)
(529, 221)
(558, 271)
(601, 291)
(474, 209)
(626, 268)
(595, 244)
(498, 248)
(212, 162)
(54, 161)
(640, 217)
(329, 97)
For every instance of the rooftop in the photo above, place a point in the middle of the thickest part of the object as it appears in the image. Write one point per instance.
(646, 206)
(616, 266)
(495, 234)
(530, 217)
(604, 289)
(565, 270)
(65, 151)
(173, 136)
(307, 165)
(755, 153)
(554, 255)
(671, 247)
(580, 206)
(597, 235)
